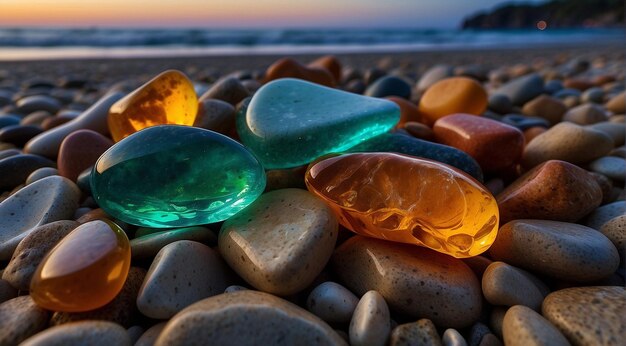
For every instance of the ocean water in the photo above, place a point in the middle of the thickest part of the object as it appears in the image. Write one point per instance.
(37, 43)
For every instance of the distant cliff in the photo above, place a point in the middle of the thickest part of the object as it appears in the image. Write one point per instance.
(556, 13)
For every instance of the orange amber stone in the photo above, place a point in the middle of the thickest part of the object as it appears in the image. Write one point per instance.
(85, 271)
(408, 200)
(169, 98)
(453, 95)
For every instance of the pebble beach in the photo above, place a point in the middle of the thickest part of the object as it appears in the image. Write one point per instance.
(451, 197)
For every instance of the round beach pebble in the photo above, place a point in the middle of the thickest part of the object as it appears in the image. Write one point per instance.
(7, 291)
(21, 318)
(15, 169)
(422, 332)
(568, 142)
(415, 281)
(41, 173)
(97, 333)
(433, 75)
(215, 115)
(605, 213)
(588, 315)
(246, 318)
(505, 285)
(35, 103)
(280, 242)
(523, 326)
(547, 107)
(610, 166)
(500, 104)
(79, 151)
(289, 68)
(32, 249)
(615, 230)
(149, 337)
(389, 86)
(452, 337)
(148, 245)
(181, 274)
(617, 103)
(18, 135)
(227, 89)
(371, 322)
(419, 131)
(408, 111)
(555, 190)
(522, 89)
(453, 95)
(617, 131)
(44, 201)
(329, 63)
(332, 302)
(561, 250)
(121, 310)
(586, 114)
(494, 145)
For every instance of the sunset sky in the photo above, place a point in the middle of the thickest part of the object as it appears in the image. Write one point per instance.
(240, 13)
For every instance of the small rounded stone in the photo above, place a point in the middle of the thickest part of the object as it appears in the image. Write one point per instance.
(370, 324)
(506, 285)
(150, 336)
(281, 242)
(289, 68)
(79, 151)
(453, 95)
(21, 318)
(420, 333)
(148, 245)
(546, 107)
(227, 89)
(451, 337)
(332, 302)
(523, 326)
(610, 166)
(588, 315)
(565, 251)
(85, 271)
(586, 114)
(330, 63)
(97, 333)
(244, 318)
(41, 173)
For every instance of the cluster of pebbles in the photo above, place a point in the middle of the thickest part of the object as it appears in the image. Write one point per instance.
(554, 275)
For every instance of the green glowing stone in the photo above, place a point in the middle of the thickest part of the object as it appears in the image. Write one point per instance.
(175, 176)
(290, 122)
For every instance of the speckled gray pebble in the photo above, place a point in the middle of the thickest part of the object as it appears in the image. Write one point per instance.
(415, 281)
(95, 333)
(15, 169)
(617, 131)
(332, 302)
(215, 115)
(562, 250)
(420, 333)
(147, 246)
(615, 230)
(41, 173)
(21, 318)
(603, 214)
(371, 321)
(506, 285)
(32, 249)
(522, 89)
(228, 89)
(586, 114)
(181, 274)
(46, 200)
(452, 337)
(525, 327)
(280, 242)
(247, 318)
(588, 315)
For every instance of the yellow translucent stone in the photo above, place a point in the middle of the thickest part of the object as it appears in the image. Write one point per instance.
(85, 271)
(408, 200)
(169, 98)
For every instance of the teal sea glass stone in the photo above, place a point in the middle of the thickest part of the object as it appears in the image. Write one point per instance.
(176, 176)
(290, 122)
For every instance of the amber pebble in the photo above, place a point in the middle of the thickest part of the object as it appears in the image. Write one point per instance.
(169, 98)
(85, 271)
(289, 68)
(408, 200)
(408, 111)
(453, 95)
(330, 63)
(580, 84)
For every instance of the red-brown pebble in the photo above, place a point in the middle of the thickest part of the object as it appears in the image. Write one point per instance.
(330, 63)
(493, 144)
(408, 111)
(555, 190)
(532, 132)
(79, 151)
(289, 68)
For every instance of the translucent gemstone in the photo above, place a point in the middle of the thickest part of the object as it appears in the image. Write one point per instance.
(290, 122)
(409, 200)
(176, 176)
(169, 98)
(85, 271)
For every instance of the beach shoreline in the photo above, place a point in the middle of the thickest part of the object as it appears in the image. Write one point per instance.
(201, 66)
